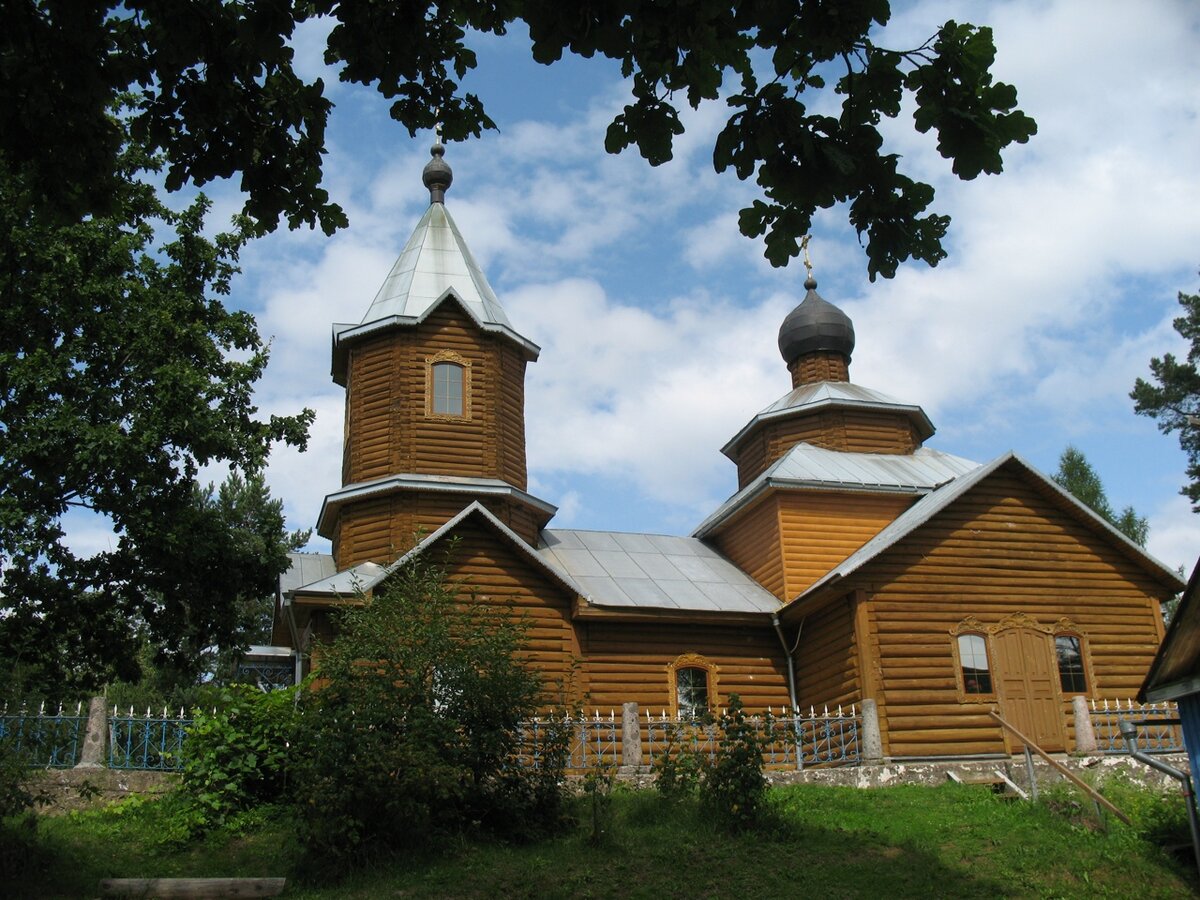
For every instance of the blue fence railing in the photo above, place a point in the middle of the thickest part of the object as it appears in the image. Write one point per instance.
(149, 742)
(50, 740)
(789, 741)
(1158, 726)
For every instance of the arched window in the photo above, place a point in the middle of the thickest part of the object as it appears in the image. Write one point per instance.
(1068, 648)
(691, 692)
(447, 393)
(974, 665)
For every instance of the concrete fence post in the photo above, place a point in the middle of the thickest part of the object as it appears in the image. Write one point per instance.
(95, 738)
(1085, 734)
(631, 738)
(872, 740)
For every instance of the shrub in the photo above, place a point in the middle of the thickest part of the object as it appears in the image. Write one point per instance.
(733, 788)
(412, 721)
(235, 756)
(679, 768)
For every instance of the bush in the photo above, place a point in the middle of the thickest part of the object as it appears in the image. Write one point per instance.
(235, 756)
(412, 722)
(733, 788)
(679, 768)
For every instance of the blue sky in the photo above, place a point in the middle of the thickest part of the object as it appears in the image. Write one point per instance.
(658, 320)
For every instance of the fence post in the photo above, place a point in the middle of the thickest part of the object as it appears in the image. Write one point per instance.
(1085, 734)
(872, 740)
(92, 756)
(631, 738)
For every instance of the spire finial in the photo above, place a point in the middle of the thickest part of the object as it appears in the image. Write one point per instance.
(810, 283)
(437, 174)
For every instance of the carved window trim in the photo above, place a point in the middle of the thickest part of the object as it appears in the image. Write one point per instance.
(1063, 627)
(448, 356)
(691, 660)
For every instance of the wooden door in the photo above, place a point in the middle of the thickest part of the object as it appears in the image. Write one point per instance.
(1028, 687)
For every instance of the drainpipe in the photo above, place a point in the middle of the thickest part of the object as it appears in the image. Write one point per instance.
(787, 655)
(289, 614)
(1129, 732)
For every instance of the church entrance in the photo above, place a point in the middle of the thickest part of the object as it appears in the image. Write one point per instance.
(1027, 683)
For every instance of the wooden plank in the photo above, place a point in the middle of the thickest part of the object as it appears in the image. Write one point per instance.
(193, 887)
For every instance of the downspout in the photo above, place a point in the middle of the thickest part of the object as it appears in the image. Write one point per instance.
(1129, 732)
(787, 655)
(290, 615)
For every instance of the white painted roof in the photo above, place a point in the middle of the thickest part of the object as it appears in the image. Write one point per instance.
(841, 394)
(653, 571)
(806, 466)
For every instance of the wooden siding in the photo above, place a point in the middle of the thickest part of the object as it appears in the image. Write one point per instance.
(821, 366)
(379, 529)
(495, 573)
(826, 660)
(1002, 549)
(751, 541)
(389, 430)
(848, 430)
(629, 662)
(822, 528)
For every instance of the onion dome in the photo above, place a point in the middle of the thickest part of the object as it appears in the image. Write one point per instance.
(437, 174)
(815, 326)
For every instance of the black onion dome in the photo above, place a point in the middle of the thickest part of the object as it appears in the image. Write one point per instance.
(815, 326)
(437, 175)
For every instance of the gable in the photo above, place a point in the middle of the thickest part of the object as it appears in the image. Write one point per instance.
(1004, 521)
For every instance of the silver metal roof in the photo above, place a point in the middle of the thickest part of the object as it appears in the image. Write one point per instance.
(436, 259)
(305, 568)
(930, 505)
(450, 484)
(811, 397)
(653, 571)
(806, 466)
(347, 583)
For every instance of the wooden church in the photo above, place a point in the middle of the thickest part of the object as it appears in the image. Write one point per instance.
(852, 563)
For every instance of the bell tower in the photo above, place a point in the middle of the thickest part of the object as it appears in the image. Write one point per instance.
(435, 399)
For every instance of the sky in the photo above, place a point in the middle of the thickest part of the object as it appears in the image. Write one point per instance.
(658, 321)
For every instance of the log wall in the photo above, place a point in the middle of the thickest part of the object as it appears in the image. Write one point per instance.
(821, 528)
(826, 662)
(389, 429)
(379, 529)
(751, 541)
(1004, 548)
(629, 662)
(848, 430)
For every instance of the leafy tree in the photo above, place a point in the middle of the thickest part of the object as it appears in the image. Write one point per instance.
(121, 374)
(411, 720)
(217, 92)
(1174, 397)
(1076, 475)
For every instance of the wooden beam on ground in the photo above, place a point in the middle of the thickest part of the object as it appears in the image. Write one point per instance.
(192, 887)
(1071, 776)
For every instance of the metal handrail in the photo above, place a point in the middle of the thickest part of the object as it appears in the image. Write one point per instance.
(1055, 764)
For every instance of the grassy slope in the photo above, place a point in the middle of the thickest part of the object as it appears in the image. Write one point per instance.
(832, 842)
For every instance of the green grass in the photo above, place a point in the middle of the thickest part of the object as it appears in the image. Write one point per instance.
(906, 841)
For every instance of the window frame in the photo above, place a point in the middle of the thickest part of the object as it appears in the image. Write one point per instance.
(447, 358)
(695, 662)
(961, 666)
(1084, 669)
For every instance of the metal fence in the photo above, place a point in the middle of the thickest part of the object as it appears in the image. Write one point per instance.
(591, 742)
(50, 740)
(153, 742)
(789, 741)
(1158, 726)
